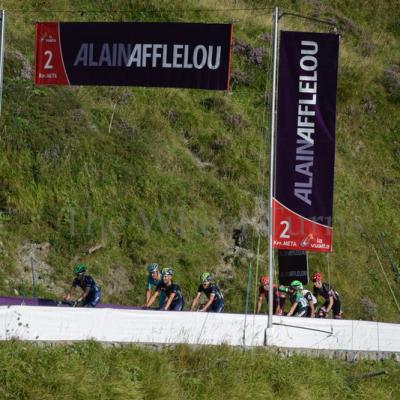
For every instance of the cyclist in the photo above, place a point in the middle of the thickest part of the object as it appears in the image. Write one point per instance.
(173, 295)
(278, 296)
(312, 302)
(153, 279)
(91, 292)
(215, 299)
(330, 295)
(300, 304)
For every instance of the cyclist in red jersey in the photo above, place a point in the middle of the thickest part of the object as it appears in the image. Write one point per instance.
(263, 292)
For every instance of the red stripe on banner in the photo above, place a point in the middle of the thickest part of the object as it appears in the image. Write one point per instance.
(291, 231)
(49, 63)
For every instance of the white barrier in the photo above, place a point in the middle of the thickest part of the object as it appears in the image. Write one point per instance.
(141, 326)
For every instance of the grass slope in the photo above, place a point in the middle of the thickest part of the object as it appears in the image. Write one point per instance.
(87, 370)
(165, 175)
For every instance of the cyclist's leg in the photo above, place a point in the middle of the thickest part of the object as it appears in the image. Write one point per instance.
(337, 310)
(321, 313)
(302, 313)
(217, 306)
(93, 300)
(177, 305)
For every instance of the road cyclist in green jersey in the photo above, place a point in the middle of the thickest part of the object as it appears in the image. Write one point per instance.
(153, 279)
(215, 299)
(300, 306)
(173, 295)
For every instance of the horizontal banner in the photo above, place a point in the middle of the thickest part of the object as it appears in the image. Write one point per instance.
(134, 54)
(305, 143)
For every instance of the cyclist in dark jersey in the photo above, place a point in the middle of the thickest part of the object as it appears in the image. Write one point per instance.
(173, 295)
(91, 292)
(215, 299)
(279, 298)
(329, 294)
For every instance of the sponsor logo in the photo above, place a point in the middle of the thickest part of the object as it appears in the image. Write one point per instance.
(306, 241)
(47, 38)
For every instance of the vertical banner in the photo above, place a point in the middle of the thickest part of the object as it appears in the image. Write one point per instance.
(149, 54)
(305, 143)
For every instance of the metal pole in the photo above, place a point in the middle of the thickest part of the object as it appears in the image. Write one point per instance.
(272, 166)
(33, 275)
(392, 263)
(247, 303)
(2, 43)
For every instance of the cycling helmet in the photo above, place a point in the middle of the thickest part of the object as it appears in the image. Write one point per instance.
(264, 280)
(153, 267)
(296, 285)
(166, 271)
(79, 269)
(317, 276)
(206, 277)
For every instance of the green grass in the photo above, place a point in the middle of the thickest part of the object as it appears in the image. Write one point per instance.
(87, 370)
(165, 174)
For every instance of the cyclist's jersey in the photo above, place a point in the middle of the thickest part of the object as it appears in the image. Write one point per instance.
(301, 301)
(168, 290)
(87, 282)
(211, 289)
(309, 296)
(94, 295)
(326, 291)
(151, 284)
(277, 294)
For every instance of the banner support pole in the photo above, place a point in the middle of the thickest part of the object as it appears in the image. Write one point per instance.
(2, 44)
(272, 167)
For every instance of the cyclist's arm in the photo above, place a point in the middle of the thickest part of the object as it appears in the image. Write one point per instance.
(152, 299)
(292, 309)
(169, 301)
(259, 303)
(195, 301)
(148, 295)
(278, 309)
(67, 297)
(330, 304)
(84, 294)
(312, 309)
(209, 302)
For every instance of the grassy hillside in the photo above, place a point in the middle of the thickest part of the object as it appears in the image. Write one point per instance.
(87, 370)
(165, 175)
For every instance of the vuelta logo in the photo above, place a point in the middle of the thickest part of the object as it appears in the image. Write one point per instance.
(306, 240)
(48, 38)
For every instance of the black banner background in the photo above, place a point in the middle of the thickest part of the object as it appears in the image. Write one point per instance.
(73, 35)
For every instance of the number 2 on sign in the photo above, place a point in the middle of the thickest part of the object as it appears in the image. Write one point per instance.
(284, 234)
(49, 55)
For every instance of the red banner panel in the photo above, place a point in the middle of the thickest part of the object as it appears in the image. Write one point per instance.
(50, 68)
(305, 143)
(134, 54)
